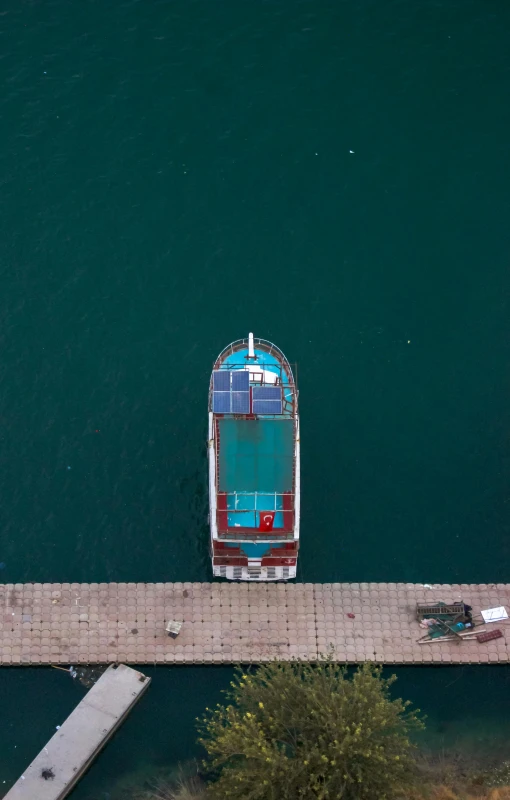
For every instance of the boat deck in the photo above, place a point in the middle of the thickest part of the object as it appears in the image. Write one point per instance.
(226, 622)
(256, 455)
(256, 468)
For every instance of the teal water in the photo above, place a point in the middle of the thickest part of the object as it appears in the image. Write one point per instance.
(175, 174)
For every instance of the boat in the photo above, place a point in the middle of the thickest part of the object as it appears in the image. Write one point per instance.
(253, 452)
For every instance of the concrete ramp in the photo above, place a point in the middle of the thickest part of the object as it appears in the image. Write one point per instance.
(69, 753)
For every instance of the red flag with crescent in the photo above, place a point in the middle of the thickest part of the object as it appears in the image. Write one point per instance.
(266, 520)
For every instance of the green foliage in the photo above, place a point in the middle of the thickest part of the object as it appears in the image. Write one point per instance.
(295, 731)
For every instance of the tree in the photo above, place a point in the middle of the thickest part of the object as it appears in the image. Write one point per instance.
(294, 731)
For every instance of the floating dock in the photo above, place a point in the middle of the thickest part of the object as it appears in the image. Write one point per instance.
(75, 745)
(225, 622)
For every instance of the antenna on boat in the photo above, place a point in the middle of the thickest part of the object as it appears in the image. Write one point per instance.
(251, 350)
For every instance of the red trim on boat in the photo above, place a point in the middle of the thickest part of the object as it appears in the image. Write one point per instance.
(222, 514)
(225, 556)
(285, 556)
(288, 511)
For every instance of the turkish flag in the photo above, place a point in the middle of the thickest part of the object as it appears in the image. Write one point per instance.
(266, 520)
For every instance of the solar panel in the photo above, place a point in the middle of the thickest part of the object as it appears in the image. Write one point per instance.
(240, 402)
(267, 399)
(267, 406)
(221, 402)
(231, 391)
(221, 380)
(267, 393)
(240, 380)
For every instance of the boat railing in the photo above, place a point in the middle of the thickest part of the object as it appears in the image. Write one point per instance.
(254, 535)
(277, 500)
(285, 378)
(264, 344)
(250, 508)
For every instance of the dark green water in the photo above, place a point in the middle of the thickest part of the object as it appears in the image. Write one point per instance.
(175, 174)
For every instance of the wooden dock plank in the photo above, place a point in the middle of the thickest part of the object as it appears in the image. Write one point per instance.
(99, 623)
(71, 750)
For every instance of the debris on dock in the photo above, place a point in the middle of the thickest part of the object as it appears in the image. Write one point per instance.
(173, 628)
(455, 622)
(497, 614)
(87, 676)
(488, 636)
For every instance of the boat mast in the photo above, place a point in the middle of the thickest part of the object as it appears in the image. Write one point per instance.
(251, 350)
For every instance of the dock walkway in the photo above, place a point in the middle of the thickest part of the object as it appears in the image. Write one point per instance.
(75, 745)
(99, 623)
